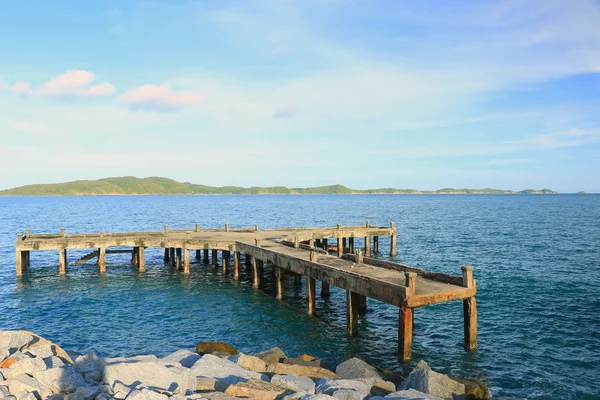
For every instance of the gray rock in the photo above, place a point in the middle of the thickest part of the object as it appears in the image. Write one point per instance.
(146, 394)
(54, 362)
(56, 397)
(344, 389)
(8, 397)
(4, 353)
(271, 356)
(43, 351)
(295, 383)
(184, 357)
(217, 396)
(355, 368)
(88, 363)
(28, 396)
(223, 370)
(120, 391)
(151, 374)
(306, 396)
(60, 380)
(25, 366)
(83, 393)
(412, 394)
(23, 384)
(93, 377)
(15, 340)
(424, 379)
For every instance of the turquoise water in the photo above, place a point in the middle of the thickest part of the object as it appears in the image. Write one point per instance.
(536, 259)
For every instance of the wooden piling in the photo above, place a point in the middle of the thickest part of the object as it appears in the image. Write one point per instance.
(469, 311)
(279, 275)
(62, 261)
(226, 256)
(172, 260)
(311, 295)
(186, 261)
(178, 259)
(325, 245)
(362, 304)
(256, 266)
(375, 244)
(352, 302)
(141, 262)
(236, 265)
(102, 259)
(340, 249)
(205, 259)
(26, 259)
(405, 320)
(134, 256)
(19, 262)
(166, 258)
(297, 279)
(215, 256)
(325, 290)
(247, 260)
(351, 244)
(393, 240)
(198, 255)
(344, 245)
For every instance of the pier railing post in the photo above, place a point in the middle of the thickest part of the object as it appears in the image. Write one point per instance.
(405, 320)
(393, 239)
(227, 227)
(166, 229)
(62, 232)
(368, 241)
(197, 227)
(469, 311)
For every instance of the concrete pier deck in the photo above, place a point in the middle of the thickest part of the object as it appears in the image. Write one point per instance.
(328, 255)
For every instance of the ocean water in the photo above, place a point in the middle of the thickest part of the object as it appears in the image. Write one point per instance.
(536, 260)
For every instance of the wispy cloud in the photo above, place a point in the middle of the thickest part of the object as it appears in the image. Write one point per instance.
(287, 112)
(69, 83)
(511, 161)
(159, 98)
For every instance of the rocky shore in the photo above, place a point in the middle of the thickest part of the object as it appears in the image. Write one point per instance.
(33, 368)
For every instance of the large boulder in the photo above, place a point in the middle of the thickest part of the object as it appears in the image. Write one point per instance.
(301, 370)
(60, 380)
(223, 370)
(344, 389)
(184, 357)
(43, 351)
(145, 394)
(215, 347)
(272, 356)
(256, 389)
(15, 340)
(410, 394)
(23, 384)
(307, 361)
(24, 366)
(424, 379)
(251, 363)
(154, 375)
(355, 368)
(295, 383)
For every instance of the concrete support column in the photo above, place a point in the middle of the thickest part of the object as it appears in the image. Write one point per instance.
(352, 300)
(19, 262)
(367, 246)
(405, 333)
(172, 256)
(166, 258)
(205, 260)
(311, 295)
(325, 245)
(26, 259)
(178, 260)
(62, 261)
(198, 255)
(351, 245)
(140, 259)
(134, 256)
(226, 256)
(362, 305)
(297, 279)
(186, 261)
(215, 255)
(375, 244)
(236, 265)
(344, 245)
(469, 311)
(279, 275)
(340, 249)
(393, 240)
(247, 260)
(256, 273)
(311, 243)
(325, 291)
(102, 259)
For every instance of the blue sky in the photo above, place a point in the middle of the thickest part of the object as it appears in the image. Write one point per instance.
(423, 94)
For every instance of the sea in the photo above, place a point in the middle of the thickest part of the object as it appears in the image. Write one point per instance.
(536, 260)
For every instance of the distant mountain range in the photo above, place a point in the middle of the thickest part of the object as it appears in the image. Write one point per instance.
(130, 185)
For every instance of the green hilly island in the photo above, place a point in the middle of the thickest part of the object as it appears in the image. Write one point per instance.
(130, 185)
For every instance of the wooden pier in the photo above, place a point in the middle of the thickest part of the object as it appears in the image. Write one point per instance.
(328, 255)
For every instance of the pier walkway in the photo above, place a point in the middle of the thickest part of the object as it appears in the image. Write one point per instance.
(328, 255)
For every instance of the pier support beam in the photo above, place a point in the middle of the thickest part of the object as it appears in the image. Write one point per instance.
(325, 245)
(62, 261)
(311, 294)
(351, 245)
(340, 249)
(166, 258)
(352, 301)
(362, 304)
(297, 279)
(236, 265)
(215, 255)
(141, 263)
(325, 291)
(469, 311)
(344, 245)
(186, 261)
(172, 256)
(226, 256)
(375, 244)
(198, 254)
(102, 259)
(19, 268)
(247, 260)
(134, 256)
(279, 275)
(178, 261)
(405, 333)
(205, 259)
(393, 240)
(257, 266)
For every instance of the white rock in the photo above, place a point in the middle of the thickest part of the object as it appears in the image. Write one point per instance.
(28, 396)
(295, 383)
(355, 368)
(4, 353)
(223, 370)
(22, 384)
(60, 380)
(425, 380)
(344, 389)
(25, 366)
(184, 357)
(54, 362)
(146, 394)
(43, 351)
(15, 340)
(410, 394)
(83, 393)
(151, 374)
(88, 363)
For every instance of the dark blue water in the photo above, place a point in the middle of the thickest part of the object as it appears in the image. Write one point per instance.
(536, 259)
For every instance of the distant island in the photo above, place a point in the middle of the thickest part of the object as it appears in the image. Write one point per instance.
(130, 185)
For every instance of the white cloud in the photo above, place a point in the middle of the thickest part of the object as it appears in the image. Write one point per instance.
(70, 83)
(159, 98)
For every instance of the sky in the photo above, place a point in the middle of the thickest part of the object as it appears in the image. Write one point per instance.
(425, 94)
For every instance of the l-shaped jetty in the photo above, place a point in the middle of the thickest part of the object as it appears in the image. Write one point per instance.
(328, 255)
